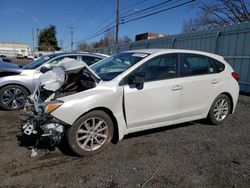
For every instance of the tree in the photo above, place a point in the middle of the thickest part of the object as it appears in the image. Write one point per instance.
(125, 40)
(218, 13)
(108, 39)
(47, 39)
(83, 46)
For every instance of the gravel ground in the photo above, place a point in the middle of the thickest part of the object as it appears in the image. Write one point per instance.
(186, 155)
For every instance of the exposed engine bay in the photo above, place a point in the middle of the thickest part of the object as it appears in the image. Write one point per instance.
(70, 77)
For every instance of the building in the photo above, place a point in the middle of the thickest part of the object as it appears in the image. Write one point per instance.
(145, 36)
(12, 49)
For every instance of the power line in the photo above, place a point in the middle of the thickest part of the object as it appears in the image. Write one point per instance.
(132, 5)
(95, 35)
(103, 30)
(107, 27)
(157, 12)
(145, 9)
(85, 11)
(111, 23)
(91, 14)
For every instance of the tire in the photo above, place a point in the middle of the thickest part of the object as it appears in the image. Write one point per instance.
(12, 97)
(91, 133)
(219, 110)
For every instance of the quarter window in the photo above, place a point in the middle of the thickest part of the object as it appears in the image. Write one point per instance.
(216, 66)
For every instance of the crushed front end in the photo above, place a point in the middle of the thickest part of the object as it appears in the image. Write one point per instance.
(38, 124)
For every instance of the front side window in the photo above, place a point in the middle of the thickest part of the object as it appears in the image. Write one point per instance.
(109, 68)
(160, 68)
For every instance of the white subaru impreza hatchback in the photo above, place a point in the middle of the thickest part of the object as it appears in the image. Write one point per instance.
(134, 91)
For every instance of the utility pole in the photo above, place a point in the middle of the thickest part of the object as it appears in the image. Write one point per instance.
(37, 38)
(33, 41)
(61, 44)
(117, 21)
(71, 28)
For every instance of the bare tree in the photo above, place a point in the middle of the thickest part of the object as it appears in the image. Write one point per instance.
(125, 40)
(218, 13)
(83, 46)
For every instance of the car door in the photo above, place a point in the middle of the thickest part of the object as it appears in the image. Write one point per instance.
(199, 81)
(158, 99)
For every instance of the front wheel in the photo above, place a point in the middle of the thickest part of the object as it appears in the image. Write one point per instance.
(219, 110)
(91, 133)
(12, 97)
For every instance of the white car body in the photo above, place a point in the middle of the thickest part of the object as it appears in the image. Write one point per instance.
(159, 103)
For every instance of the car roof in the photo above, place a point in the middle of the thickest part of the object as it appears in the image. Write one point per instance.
(162, 50)
(79, 53)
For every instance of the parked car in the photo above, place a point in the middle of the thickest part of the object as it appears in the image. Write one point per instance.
(132, 91)
(19, 56)
(16, 83)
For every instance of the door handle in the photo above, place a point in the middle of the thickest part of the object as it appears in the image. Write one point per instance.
(215, 81)
(177, 87)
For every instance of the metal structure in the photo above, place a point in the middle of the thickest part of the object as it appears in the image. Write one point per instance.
(232, 42)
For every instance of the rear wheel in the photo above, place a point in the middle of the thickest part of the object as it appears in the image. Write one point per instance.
(91, 133)
(12, 97)
(219, 110)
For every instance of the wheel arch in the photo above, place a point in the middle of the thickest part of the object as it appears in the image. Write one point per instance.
(230, 99)
(21, 85)
(115, 137)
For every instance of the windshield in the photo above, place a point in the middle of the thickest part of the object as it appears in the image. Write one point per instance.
(111, 67)
(37, 63)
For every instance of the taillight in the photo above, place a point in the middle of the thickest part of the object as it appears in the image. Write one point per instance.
(236, 76)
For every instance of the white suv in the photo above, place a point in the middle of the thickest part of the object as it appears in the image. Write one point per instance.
(145, 89)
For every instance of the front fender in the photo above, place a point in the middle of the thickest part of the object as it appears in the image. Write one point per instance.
(100, 97)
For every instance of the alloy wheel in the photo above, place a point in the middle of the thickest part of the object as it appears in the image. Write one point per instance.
(13, 98)
(221, 109)
(92, 134)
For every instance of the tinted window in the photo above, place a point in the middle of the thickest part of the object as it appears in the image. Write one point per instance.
(195, 65)
(216, 66)
(163, 67)
(37, 63)
(90, 60)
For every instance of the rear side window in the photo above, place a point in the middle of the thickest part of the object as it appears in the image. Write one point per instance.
(193, 65)
(90, 60)
(216, 66)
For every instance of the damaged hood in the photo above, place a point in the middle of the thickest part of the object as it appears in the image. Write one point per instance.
(54, 79)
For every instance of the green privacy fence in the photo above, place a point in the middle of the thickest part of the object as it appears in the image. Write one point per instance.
(232, 42)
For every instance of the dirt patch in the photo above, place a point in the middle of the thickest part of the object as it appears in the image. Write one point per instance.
(187, 155)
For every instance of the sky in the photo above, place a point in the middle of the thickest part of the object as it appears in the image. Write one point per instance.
(18, 18)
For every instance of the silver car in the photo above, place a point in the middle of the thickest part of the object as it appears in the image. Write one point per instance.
(18, 82)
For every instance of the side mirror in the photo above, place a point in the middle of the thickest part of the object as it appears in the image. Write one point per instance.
(137, 79)
(45, 68)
